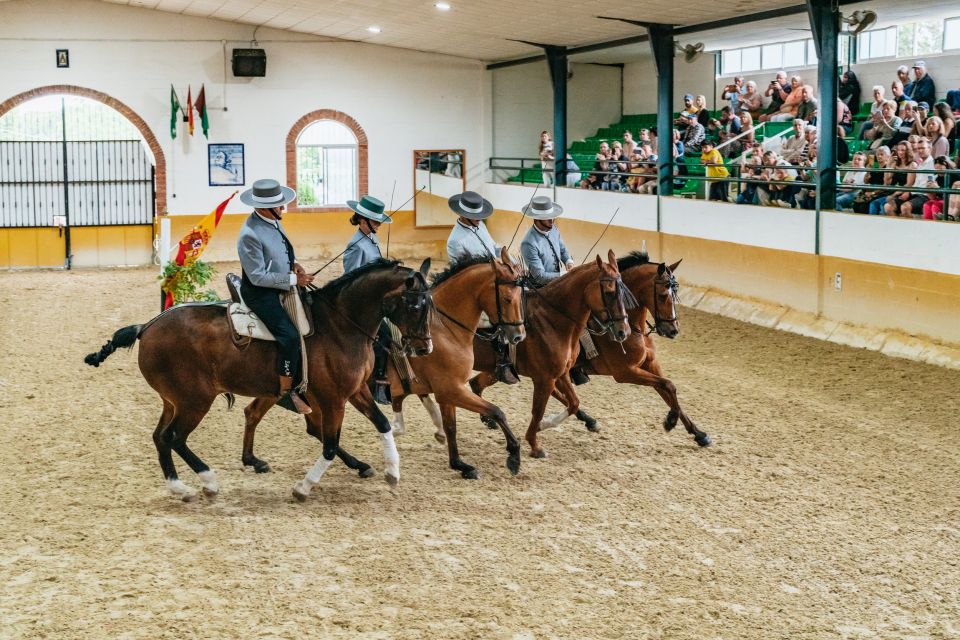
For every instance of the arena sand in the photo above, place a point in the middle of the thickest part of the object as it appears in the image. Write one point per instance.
(827, 508)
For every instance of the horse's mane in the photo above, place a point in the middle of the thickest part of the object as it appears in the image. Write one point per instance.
(334, 287)
(633, 259)
(456, 267)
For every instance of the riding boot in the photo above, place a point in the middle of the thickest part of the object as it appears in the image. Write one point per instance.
(504, 370)
(286, 389)
(380, 386)
(579, 376)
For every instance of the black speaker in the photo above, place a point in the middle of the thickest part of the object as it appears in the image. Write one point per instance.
(249, 63)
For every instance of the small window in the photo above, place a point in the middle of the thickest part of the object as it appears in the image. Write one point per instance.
(928, 37)
(326, 165)
(751, 59)
(730, 60)
(951, 33)
(793, 54)
(881, 43)
(772, 56)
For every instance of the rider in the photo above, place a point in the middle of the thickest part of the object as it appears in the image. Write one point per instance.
(545, 253)
(270, 267)
(363, 248)
(470, 238)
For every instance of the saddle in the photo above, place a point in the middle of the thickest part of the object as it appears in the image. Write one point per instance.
(247, 326)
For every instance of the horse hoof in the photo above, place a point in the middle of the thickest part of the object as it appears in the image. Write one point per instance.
(440, 437)
(538, 453)
(592, 426)
(300, 494)
(262, 467)
(670, 422)
(366, 472)
(391, 479)
(210, 493)
(189, 497)
(703, 440)
(513, 464)
(470, 474)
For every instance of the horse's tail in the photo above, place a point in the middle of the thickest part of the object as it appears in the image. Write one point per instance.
(122, 338)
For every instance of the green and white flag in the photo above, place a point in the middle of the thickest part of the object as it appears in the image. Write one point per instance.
(174, 112)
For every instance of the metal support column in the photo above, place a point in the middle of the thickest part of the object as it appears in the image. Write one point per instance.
(67, 261)
(661, 42)
(825, 25)
(557, 62)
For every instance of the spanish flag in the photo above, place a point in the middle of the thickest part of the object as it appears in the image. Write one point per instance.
(192, 245)
(189, 111)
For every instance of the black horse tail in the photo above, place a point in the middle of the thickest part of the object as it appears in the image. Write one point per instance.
(123, 338)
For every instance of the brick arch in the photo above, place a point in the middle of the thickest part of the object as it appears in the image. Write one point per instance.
(291, 151)
(113, 103)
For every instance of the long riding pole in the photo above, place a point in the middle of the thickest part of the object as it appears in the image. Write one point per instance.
(392, 192)
(389, 215)
(587, 254)
(522, 217)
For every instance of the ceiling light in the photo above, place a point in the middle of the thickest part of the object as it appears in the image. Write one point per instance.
(373, 29)
(443, 6)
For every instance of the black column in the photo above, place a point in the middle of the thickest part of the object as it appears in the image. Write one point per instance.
(825, 24)
(661, 42)
(557, 61)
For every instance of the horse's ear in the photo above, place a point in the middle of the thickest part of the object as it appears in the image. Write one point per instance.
(599, 261)
(676, 264)
(611, 257)
(661, 268)
(425, 268)
(505, 256)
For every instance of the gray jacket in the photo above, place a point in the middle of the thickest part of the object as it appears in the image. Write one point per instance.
(545, 254)
(264, 255)
(465, 242)
(360, 250)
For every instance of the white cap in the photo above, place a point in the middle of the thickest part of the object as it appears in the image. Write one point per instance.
(919, 64)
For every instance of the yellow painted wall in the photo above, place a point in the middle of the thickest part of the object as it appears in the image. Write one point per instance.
(90, 246)
(41, 247)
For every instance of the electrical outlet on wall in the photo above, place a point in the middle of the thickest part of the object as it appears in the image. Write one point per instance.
(837, 281)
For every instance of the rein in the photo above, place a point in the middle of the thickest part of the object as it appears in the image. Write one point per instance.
(674, 288)
(623, 295)
(500, 321)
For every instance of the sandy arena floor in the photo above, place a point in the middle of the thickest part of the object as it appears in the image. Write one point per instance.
(828, 507)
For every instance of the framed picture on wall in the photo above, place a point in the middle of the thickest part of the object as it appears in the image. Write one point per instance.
(225, 163)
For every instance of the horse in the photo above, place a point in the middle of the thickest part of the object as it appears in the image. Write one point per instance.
(635, 360)
(188, 356)
(460, 293)
(557, 313)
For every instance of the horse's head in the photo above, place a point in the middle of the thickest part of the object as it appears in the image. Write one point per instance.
(503, 303)
(612, 300)
(410, 307)
(661, 300)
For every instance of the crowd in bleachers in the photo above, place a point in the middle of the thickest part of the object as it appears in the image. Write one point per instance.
(765, 144)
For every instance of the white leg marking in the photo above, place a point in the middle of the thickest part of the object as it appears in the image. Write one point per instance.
(303, 488)
(555, 420)
(398, 427)
(179, 489)
(391, 458)
(434, 411)
(209, 481)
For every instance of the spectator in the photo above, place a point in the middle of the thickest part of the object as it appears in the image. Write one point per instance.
(573, 172)
(751, 100)
(939, 144)
(792, 147)
(855, 176)
(912, 204)
(889, 123)
(628, 143)
(807, 109)
(789, 109)
(546, 157)
(713, 162)
(896, 88)
(777, 91)
(862, 202)
(620, 163)
(902, 159)
(920, 122)
(908, 118)
(942, 110)
(734, 92)
(693, 135)
(703, 114)
(750, 170)
(922, 89)
(727, 128)
(688, 109)
(903, 75)
(645, 137)
(806, 197)
(843, 149)
(849, 90)
(810, 138)
(680, 168)
(746, 125)
(844, 117)
(933, 207)
(596, 178)
(772, 167)
(875, 107)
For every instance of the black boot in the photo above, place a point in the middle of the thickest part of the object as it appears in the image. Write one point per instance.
(379, 385)
(504, 371)
(579, 376)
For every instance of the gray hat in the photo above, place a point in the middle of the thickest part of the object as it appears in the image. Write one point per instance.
(470, 204)
(542, 208)
(369, 207)
(266, 194)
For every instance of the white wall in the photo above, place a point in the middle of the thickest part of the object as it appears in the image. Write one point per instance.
(404, 100)
(640, 82)
(523, 105)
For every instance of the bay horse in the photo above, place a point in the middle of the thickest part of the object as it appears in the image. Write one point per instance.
(188, 356)
(557, 313)
(635, 360)
(460, 293)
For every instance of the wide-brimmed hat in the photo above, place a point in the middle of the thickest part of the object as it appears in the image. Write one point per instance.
(369, 207)
(542, 208)
(266, 194)
(470, 204)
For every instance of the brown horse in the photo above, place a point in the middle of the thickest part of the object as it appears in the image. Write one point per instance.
(635, 360)
(557, 314)
(460, 294)
(187, 355)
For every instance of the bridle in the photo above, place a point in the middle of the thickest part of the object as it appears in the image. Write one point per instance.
(620, 295)
(500, 323)
(420, 301)
(670, 281)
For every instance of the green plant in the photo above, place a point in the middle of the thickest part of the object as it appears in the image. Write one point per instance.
(185, 283)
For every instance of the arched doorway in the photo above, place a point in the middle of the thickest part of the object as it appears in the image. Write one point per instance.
(84, 177)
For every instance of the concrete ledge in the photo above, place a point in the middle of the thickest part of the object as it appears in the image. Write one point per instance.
(891, 343)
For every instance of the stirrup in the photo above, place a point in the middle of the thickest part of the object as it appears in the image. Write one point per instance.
(578, 376)
(381, 392)
(299, 403)
(505, 373)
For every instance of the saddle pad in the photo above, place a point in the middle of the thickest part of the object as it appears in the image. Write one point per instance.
(589, 348)
(247, 325)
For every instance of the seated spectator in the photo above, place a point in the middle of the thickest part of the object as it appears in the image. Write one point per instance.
(844, 117)
(679, 168)
(896, 88)
(595, 179)
(806, 197)
(693, 135)
(933, 207)
(703, 114)
(807, 109)
(864, 199)
(953, 100)
(942, 111)
(849, 90)
(645, 137)
(922, 89)
(628, 143)
(727, 128)
(875, 107)
(902, 159)
(903, 75)
(734, 92)
(637, 170)
(912, 203)
(919, 127)
(789, 109)
(777, 91)
(889, 124)
(939, 144)
(574, 175)
(843, 149)
(713, 164)
(688, 109)
(810, 137)
(619, 163)
(908, 117)
(774, 168)
(746, 125)
(751, 100)
(791, 148)
(749, 170)
(855, 176)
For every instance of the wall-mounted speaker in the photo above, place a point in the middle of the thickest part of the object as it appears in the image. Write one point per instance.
(249, 63)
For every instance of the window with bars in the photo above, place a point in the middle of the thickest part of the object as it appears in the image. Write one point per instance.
(327, 165)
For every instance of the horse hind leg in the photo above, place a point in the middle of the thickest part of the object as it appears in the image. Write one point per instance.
(183, 426)
(433, 410)
(327, 428)
(253, 413)
(588, 421)
(668, 391)
(162, 439)
(448, 414)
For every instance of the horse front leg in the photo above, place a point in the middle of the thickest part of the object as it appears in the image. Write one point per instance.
(363, 402)
(253, 413)
(459, 396)
(564, 389)
(588, 421)
(649, 376)
(542, 388)
(480, 383)
(326, 427)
